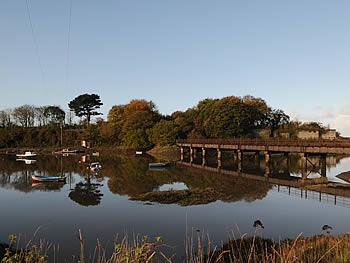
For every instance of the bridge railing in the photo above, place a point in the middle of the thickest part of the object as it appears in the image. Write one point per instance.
(345, 143)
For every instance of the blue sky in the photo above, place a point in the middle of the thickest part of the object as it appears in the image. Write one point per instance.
(293, 54)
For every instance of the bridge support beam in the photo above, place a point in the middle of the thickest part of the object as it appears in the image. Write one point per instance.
(267, 157)
(182, 153)
(287, 160)
(219, 153)
(257, 159)
(191, 154)
(267, 171)
(219, 164)
(203, 156)
(303, 165)
(267, 163)
(239, 160)
(219, 158)
(323, 162)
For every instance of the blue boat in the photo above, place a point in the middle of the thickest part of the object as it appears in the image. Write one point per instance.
(159, 165)
(46, 178)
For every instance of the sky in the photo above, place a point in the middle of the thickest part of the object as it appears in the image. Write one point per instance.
(295, 55)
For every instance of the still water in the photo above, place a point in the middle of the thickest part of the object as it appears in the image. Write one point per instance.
(111, 202)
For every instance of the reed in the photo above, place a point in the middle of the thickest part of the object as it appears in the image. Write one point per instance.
(198, 249)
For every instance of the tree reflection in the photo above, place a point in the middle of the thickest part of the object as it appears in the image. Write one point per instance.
(205, 187)
(133, 178)
(129, 175)
(86, 193)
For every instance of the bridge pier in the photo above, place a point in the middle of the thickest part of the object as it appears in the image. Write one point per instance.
(323, 162)
(219, 164)
(286, 154)
(257, 159)
(203, 157)
(191, 154)
(219, 153)
(239, 160)
(303, 165)
(267, 157)
(219, 158)
(189, 150)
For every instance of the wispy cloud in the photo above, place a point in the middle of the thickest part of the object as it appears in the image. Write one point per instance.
(342, 124)
(335, 117)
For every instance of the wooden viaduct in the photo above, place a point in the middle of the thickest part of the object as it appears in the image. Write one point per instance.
(268, 147)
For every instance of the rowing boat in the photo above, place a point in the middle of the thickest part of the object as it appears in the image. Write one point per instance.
(47, 178)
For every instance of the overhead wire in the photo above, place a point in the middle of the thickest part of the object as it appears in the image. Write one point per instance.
(35, 43)
(68, 42)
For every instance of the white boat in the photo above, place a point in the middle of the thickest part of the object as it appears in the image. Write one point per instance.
(95, 167)
(26, 154)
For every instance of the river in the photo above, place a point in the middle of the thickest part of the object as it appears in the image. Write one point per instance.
(112, 202)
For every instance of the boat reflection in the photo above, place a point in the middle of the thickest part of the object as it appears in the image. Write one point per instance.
(26, 161)
(51, 186)
(132, 177)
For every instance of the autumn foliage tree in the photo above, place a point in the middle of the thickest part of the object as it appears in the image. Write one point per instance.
(132, 121)
(139, 125)
(164, 133)
(228, 117)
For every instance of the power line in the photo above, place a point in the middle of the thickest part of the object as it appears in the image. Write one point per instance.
(35, 41)
(68, 41)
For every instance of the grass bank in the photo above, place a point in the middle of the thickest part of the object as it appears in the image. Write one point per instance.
(199, 249)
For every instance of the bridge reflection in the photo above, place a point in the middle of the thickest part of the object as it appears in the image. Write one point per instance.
(318, 188)
(335, 198)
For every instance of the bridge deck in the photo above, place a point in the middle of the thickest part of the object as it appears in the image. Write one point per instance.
(339, 146)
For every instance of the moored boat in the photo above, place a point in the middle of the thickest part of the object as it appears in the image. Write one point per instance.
(68, 151)
(48, 178)
(95, 167)
(26, 154)
(159, 165)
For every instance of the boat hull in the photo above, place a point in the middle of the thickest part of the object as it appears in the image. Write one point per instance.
(159, 165)
(44, 178)
(26, 155)
(95, 167)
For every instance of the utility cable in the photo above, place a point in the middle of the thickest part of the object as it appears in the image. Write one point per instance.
(68, 41)
(35, 41)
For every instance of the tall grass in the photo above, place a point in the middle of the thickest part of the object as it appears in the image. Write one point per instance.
(198, 249)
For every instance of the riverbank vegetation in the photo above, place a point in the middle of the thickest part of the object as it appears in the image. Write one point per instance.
(198, 249)
(139, 125)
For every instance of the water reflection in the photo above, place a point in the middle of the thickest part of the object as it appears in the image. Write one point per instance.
(86, 192)
(185, 184)
(47, 186)
(185, 196)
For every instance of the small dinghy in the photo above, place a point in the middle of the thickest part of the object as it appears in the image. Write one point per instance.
(46, 178)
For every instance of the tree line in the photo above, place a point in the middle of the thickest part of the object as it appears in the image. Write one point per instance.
(139, 125)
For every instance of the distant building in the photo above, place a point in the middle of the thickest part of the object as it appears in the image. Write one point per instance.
(308, 135)
(284, 135)
(329, 135)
